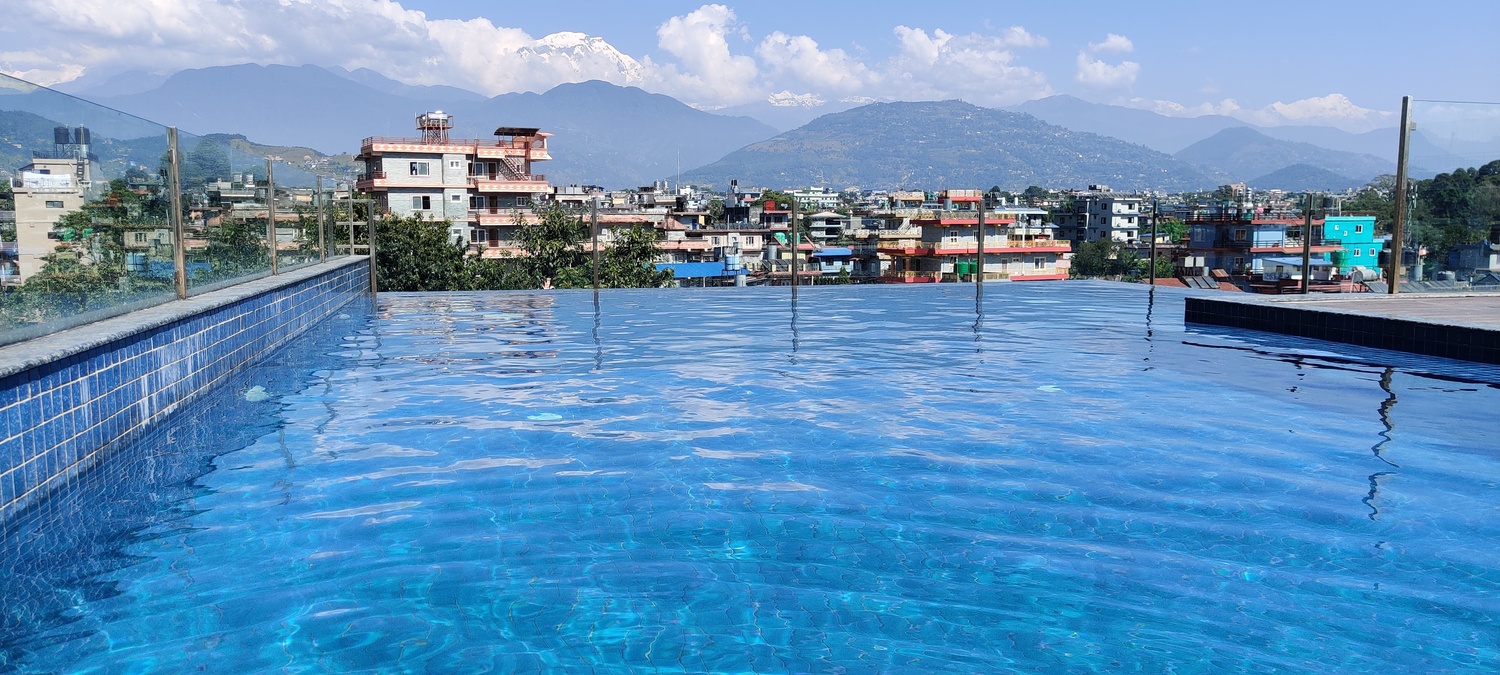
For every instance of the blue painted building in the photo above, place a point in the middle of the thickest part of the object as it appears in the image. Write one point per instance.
(1359, 248)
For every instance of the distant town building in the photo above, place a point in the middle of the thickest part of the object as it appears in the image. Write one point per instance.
(1360, 254)
(54, 184)
(484, 188)
(1100, 213)
(1019, 245)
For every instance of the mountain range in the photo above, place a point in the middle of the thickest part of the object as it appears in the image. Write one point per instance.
(1246, 153)
(624, 137)
(948, 144)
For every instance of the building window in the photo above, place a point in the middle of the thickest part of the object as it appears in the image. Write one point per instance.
(479, 236)
(140, 237)
(422, 203)
(1039, 262)
(453, 164)
(458, 198)
(54, 204)
(1239, 234)
(1359, 228)
(1372, 252)
(421, 169)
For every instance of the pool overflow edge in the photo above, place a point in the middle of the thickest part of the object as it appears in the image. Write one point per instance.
(129, 373)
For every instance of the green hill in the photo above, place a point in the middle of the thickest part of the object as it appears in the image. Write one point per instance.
(947, 144)
(1304, 177)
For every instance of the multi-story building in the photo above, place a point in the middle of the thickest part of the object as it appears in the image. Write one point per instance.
(816, 199)
(1360, 248)
(484, 188)
(53, 185)
(1100, 213)
(1019, 245)
(1240, 239)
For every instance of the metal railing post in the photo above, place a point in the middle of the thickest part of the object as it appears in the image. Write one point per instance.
(174, 186)
(370, 224)
(594, 226)
(1307, 218)
(318, 209)
(1155, 215)
(979, 273)
(350, 202)
(271, 214)
(795, 241)
(1398, 228)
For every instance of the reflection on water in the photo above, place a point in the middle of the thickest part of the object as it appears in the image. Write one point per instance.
(514, 480)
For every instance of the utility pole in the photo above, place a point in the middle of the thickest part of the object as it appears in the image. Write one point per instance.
(979, 272)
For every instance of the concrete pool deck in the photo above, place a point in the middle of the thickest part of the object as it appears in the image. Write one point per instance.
(1453, 325)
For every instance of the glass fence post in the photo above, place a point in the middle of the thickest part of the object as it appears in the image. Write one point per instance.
(271, 213)
(318, 209)
(1398, 224)
(370, 224)
(174, 188)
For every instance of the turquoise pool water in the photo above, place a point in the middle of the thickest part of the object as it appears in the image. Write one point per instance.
(692, 481)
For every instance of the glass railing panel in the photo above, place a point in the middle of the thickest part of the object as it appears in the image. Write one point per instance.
(225, 188)
(90, 234)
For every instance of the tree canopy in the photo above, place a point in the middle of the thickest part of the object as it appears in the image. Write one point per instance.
(419, 255)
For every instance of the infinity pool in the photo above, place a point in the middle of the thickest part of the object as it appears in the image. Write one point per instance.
(696, 481)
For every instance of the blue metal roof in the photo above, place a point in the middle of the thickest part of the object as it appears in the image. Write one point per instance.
(833, 252)
(1297, 262)
(698, 270)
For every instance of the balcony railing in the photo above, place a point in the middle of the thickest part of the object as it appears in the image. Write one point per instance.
(518, 178)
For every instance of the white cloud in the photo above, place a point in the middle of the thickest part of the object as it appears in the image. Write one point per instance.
(1017, 36)
(1112, 43)
(1095, 72)
(705, 57)
(83, 35)
(712, 75)
(1334, 110)
(798, 57)
(978, 68)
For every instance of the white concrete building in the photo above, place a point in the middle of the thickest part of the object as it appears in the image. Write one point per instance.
(484, 188)
(1100, 213)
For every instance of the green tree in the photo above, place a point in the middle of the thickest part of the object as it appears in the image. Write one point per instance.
(716, 210)
(629, 263)
(1105, 257)
(1174, 229)
(554, 247)
(206, 162)
(413, 254)
(782, 199)
(1376, 198)
(1092, 259)
(1165, 268)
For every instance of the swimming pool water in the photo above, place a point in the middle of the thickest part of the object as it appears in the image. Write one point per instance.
(692, 481)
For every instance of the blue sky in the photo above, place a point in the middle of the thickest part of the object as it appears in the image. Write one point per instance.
(1341, 63)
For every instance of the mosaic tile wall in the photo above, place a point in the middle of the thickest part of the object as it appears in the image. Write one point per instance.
(63, 417)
